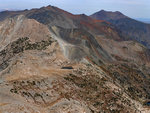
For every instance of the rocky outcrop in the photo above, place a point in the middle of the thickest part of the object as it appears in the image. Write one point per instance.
(19, 46)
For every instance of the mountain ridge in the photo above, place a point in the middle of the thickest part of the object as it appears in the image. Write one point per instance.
(130, 28)
(108, 14)
(52, 61)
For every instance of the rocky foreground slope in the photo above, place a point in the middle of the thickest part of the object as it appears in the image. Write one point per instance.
(70, 64)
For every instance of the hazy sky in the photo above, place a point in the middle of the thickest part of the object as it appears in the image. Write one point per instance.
(132, 8)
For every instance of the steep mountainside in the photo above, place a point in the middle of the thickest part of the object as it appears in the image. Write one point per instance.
(53, 16)
(130, 28)
(52, 61)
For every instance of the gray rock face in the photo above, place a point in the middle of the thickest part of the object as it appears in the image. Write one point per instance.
(84, 45)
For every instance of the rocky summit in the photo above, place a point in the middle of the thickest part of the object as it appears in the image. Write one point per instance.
(52, 61)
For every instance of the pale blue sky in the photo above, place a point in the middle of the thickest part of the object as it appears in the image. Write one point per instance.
(132, 8)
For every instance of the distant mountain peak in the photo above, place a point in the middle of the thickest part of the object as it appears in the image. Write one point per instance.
(102, 14)
(130, 28)
(104, 11)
